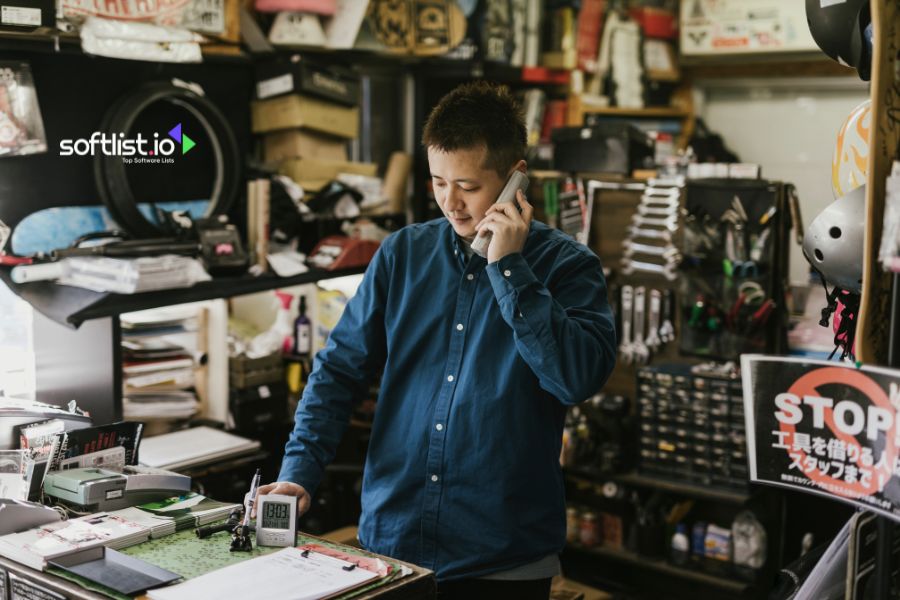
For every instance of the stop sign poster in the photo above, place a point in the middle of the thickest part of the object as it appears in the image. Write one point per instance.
(824, 427)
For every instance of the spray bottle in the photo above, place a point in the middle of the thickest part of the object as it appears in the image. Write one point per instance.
(283, 321)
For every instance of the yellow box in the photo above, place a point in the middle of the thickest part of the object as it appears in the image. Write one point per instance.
(300, 143)
(294, 110)
(311, 171)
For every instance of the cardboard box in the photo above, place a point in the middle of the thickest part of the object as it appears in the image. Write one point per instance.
(300, 75)
(299, 143)
(310, 171)
(568, 589)
(288, 112)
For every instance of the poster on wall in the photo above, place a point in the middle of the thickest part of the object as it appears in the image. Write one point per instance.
(824, 427)
(722, 27)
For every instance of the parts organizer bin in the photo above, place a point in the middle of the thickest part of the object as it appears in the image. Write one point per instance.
(692, 426)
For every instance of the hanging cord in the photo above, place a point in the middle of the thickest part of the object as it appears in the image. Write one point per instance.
(846, 332)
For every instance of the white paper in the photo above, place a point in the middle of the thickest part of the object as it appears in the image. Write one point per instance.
(288, 263)
(288, 575)
(343, 28)
(192, 446)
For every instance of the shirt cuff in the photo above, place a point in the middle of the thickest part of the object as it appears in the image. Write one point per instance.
(509, 274)
(302, 472)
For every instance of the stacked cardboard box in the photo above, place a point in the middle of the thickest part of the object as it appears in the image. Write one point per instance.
(307, 114)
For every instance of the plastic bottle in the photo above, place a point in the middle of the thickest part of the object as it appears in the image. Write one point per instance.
(283, 321)
(278, 337)
(302, 331)
(681, 545)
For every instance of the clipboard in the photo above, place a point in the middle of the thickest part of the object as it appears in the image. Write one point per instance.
(296, 573)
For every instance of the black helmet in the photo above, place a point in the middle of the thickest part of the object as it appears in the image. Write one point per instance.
(843, 30)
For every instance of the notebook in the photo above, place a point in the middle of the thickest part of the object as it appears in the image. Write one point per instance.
(193, 446)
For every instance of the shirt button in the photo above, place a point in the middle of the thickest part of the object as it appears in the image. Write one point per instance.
(434, 478)
(470, 277)
(507, 273)
(459, 326)
(449, 377)
(439, 427)
(455, 252)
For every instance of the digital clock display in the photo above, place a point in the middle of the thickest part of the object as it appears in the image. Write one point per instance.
(276, 515)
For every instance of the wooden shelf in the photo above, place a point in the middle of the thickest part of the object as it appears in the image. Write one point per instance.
(664, 568)
(638, 113)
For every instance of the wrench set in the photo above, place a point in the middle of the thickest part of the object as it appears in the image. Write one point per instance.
(647, 322)
(655, 220)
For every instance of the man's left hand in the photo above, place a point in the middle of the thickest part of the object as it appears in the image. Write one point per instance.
(508, 226)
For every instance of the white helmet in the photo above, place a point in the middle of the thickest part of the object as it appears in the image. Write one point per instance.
(833, 242)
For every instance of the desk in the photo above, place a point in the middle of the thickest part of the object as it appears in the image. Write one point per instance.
(418, 586)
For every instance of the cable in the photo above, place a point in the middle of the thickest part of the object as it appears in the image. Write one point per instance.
(109, 171)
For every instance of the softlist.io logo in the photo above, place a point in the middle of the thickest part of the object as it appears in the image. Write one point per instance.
(139, 149)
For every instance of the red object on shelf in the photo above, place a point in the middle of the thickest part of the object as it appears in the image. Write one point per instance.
(590, 29)
(342, 252)
(655, 22)
(554, 116)
(545, 75)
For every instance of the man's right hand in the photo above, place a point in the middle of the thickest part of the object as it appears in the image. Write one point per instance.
(286, 488)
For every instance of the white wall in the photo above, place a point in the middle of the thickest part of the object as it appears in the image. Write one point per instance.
(787, 125)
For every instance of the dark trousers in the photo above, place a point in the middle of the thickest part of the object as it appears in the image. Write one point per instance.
(493, 589)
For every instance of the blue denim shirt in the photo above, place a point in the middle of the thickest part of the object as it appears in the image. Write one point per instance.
(479, 365)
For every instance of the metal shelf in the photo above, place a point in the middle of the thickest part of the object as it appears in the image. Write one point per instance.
(73, 306)
(690, 490)
(657, 565)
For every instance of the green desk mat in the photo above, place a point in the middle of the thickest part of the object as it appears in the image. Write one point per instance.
(189, 556)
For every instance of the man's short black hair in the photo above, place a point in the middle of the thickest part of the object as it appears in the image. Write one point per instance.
(476, 114)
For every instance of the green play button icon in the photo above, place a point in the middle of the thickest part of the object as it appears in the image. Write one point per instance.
(186, 143)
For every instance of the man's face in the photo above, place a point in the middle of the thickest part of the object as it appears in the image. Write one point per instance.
(463, 188)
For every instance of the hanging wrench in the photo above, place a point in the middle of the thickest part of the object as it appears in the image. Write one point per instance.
(668, 201)
(676, 181)
(667, 270)
(670, 223)
(661, 212)
(631, 247)
(667, 329)
(662, 191)
(625, 348)
(653, 340)
(653, 234)
(641, 353)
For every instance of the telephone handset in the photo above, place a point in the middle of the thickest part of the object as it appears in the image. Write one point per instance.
(517, 181)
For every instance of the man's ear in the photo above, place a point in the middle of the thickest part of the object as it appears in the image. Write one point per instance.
(521, 166)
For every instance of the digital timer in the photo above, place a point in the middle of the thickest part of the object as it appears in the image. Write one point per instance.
(276, 520)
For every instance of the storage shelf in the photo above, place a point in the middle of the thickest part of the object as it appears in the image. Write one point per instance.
(51, 41)
(661, 566)
(691, 490)
(650, 112)
(72, 306)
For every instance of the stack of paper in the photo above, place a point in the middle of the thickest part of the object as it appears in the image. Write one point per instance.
(158, 348)
(176, 513)
(132, 275)
(194, 446)
(35, 547)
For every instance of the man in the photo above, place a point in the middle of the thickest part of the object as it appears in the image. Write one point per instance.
(480, 360)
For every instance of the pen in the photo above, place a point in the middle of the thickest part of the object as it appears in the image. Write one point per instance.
(251, 500)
